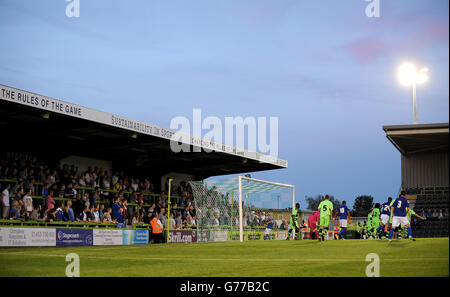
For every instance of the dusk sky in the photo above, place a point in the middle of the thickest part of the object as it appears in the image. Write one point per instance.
(325, 69)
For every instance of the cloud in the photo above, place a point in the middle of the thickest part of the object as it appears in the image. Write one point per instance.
(426, 34)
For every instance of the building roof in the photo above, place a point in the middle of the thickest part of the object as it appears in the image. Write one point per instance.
(418, 138)
(59, 129)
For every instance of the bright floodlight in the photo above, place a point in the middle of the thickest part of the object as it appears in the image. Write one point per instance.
(422, 75)
(408, 74)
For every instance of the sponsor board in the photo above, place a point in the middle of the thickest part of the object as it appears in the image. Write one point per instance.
(202, 236)
(281, 235)
(135, 237)
(108, 237)
(73, 237)
(219, 235)
(182, 236)
(249, 235)
(11, 236)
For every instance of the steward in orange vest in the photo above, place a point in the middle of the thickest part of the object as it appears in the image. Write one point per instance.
(157, 234)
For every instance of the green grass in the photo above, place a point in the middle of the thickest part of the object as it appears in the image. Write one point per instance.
(424, 257)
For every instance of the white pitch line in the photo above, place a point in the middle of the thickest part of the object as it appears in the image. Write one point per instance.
(228, 259)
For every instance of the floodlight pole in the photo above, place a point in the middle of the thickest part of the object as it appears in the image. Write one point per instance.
(241, 229)
(414, 102)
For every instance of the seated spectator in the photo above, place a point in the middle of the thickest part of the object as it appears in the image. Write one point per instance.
(51, 215)
(36, 214)
(441, 215)
(15, 212)
(107, 216)
(435, 214)
(136, 219)
(429, 213)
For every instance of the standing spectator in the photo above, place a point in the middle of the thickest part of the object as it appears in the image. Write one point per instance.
(179, 221)
(101, 210)
(28, 202)
(5, 202)
(96, 214)
(30, 185)
(78, 204)
(90, 214)
(117, 210)
(82, 217)
(49, 200)
(60, 216)
(161, 214)
(45, 190)
(172, 222)
(124, 212)
(70, 213)
(62, 191)
(86, 201)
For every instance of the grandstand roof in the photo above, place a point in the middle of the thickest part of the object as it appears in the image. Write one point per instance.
(418, 138)
(59, 129)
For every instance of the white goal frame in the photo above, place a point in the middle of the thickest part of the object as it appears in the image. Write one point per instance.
(240, 178)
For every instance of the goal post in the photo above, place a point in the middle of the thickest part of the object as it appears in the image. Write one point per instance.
(247, 212)
(240, 178)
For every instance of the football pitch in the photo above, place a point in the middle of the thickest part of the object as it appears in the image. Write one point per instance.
(424, 257)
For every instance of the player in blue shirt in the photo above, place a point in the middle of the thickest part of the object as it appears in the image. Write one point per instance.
(344, 213)
(268, 228)
(385, 216)
(398, 212)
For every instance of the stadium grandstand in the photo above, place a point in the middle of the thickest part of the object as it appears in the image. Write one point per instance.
(56, 155)
(424, 170)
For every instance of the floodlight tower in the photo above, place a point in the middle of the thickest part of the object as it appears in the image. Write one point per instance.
(410, 75)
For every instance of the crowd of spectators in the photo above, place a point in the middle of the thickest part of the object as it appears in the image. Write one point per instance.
(434, 214)
(110, 198)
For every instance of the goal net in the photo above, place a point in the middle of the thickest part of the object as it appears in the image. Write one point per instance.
(241, 208)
